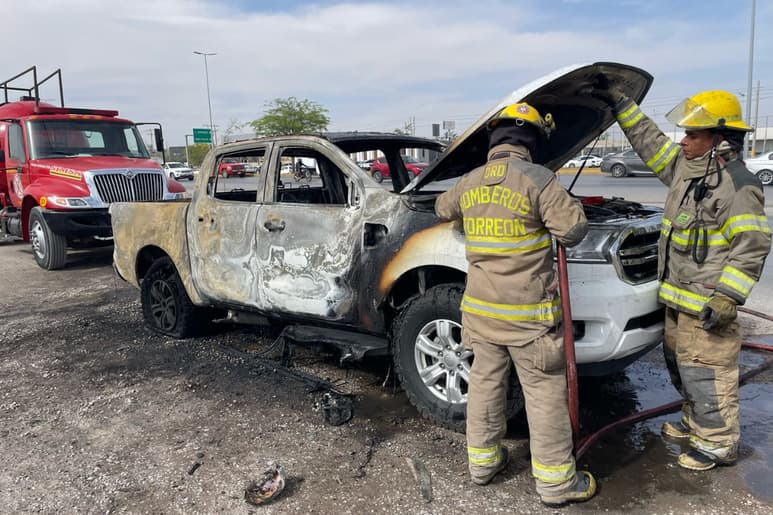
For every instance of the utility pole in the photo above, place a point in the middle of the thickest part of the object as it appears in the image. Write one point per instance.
(149, 132)
(756, 114)
(187, 157)
(749, 77)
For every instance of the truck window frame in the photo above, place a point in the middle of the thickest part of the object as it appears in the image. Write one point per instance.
(16, 143)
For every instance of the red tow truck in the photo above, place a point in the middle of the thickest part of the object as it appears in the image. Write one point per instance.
(62, 167)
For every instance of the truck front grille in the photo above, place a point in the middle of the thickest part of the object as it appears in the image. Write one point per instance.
(638, 257)
(129, 187)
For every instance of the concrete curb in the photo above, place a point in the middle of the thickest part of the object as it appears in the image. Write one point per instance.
(572, 171)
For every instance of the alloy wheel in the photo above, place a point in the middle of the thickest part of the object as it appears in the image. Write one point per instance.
(442, 362)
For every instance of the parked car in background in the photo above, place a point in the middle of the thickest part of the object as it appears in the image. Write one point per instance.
(177, 170)
(231, 166)
(251, 168)
(590, 160)
(762, 167)
(379, 169)
(622, 164)
(365, 165)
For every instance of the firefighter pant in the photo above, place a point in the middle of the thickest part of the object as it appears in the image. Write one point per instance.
(541, 368)
(704, 368)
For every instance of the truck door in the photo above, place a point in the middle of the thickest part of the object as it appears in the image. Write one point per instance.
(17, 172)
(221, 231)
(309, 234)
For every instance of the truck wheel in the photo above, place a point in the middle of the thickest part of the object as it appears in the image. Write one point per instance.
(166, 307)
(377, 176)
(432, 365)
(49, 248)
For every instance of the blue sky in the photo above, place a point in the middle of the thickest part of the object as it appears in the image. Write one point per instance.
(373, 65)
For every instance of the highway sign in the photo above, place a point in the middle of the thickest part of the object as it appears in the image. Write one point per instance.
(202, 136)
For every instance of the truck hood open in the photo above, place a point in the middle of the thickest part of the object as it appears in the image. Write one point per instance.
(566, 93)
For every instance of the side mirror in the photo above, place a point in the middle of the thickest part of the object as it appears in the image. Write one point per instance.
(159, 136)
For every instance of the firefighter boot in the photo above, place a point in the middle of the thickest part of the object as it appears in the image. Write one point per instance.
(584, 488)
(484, 480)
(704, 460)
(678, 430)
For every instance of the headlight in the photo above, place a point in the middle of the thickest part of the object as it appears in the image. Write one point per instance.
(594, 248)
(69, 202)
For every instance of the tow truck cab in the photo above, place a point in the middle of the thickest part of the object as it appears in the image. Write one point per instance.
(61, 168)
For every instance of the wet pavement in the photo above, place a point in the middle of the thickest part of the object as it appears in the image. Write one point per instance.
(634, 464)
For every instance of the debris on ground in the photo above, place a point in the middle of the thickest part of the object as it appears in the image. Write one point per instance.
(337, 409)
(371, 443)
(422, 476)
(267, 487)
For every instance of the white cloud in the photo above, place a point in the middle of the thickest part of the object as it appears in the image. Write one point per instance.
(373, 65)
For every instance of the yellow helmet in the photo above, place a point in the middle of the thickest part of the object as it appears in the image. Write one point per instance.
(522, 112)
(709, 110)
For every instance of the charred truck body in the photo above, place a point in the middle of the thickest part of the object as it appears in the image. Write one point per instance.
(367, 267)
(61, 168)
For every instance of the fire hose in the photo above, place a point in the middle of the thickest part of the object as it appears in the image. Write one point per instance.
(581, 444)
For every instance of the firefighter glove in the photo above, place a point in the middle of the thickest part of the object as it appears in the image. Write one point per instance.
(718, 312)
(610, 95)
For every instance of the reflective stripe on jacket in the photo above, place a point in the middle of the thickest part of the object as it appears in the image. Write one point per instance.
(510, 209)
(727, 229)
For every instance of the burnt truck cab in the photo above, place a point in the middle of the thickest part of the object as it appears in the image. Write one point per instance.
(367, 267)
(61, 168)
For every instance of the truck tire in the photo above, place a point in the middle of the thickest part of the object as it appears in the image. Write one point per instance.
(431, 363)
(166, 307)
(49, 248)
(377, 176)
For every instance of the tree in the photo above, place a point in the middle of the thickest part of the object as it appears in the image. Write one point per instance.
(196, 153)
(406, 130)
(291, 116)
(234, 128)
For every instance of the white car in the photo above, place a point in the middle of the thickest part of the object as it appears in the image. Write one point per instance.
(762, 167)
(590, 161)
(176, 170)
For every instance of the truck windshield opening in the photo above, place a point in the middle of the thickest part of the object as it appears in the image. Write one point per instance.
(51, 139)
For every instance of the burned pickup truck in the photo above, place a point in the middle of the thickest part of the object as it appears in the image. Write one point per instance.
(367, 267)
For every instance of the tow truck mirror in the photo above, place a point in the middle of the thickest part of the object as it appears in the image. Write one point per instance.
(159, 136)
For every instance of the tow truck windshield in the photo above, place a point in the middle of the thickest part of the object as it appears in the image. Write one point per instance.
(70, 138)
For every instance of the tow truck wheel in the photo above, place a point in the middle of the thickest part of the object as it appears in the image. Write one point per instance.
(377, 176)
(49, 248)
(432, 365)
(166, 307)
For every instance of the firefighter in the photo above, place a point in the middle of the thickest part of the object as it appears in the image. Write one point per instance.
(712, 249)
(509, 208)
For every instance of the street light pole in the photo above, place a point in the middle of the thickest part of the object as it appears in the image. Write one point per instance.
(749, 81)
(209, 102)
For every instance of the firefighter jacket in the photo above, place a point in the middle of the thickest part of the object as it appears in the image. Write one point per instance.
(510, 207)
(715, 244)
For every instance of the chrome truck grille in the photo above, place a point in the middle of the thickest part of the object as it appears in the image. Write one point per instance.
(637, 256)
(129, 186)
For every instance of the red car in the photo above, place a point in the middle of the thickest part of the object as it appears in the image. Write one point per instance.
(379, 169)
(230, 166)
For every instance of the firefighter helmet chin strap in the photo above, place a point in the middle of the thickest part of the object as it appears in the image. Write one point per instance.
(702, 187)
(700, 248)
